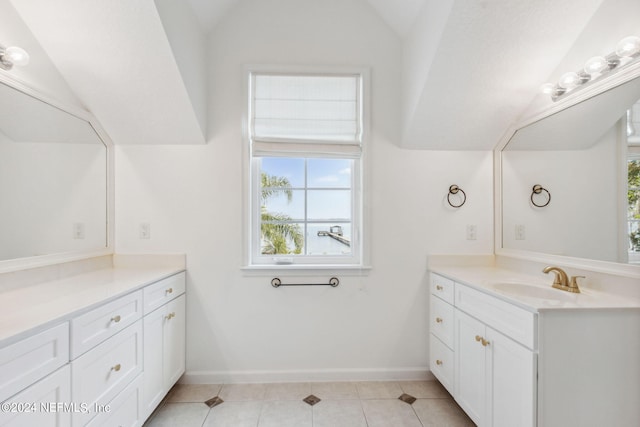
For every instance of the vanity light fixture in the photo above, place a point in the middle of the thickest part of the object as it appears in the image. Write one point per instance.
(11, 56)
(627, 51)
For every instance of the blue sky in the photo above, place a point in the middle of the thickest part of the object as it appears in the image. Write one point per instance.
(329, 182)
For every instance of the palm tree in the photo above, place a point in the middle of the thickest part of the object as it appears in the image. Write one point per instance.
(276, 231)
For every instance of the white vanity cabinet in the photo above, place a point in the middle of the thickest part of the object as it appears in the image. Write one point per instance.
(490, 364)
(85, 366)
(164, 339)
(527, 362)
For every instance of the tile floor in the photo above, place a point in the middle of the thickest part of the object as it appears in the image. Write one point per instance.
(342, 404)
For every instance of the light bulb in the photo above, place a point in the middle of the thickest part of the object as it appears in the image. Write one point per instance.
(628, 46)
(596, 65)
(547, 88)
(569, 80)
(17, 56)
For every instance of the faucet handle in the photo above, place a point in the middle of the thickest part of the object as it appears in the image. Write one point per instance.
(573, 287)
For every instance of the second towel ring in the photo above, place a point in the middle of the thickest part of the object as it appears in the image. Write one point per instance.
(537, 189)
(454, 189)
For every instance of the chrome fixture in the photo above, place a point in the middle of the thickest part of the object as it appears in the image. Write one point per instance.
(561, 280)
(538, 189)
(11, 56)
(333, 282)
(627, 51)
(454, 189)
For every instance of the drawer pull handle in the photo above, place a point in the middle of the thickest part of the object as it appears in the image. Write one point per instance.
(478, 338)
(116, 319)
(439, 362)
(438, 319)
(171, 315)
(439, 288)
(116, 368)
(169, 291)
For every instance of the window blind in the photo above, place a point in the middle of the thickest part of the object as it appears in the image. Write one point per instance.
(302, 109)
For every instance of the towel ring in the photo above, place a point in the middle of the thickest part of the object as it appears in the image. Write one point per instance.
(454, 189)
(537, 189)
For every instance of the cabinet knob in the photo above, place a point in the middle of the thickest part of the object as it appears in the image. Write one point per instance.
(169, 291)
(439, 362)
(116, 319)
(171, 315)
(116, 368)
(481, 340)
(438, 319)
(439, 288)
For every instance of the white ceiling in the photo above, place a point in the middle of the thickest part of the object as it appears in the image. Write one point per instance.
(117, 59)
(398, 14)
(471, 67)
(490, 61)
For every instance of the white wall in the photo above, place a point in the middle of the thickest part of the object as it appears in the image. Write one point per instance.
(239, 327)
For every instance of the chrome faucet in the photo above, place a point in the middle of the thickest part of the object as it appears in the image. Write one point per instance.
(561, 280)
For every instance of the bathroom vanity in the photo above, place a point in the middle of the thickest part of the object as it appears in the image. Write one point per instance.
(515, 352)
(97, 348)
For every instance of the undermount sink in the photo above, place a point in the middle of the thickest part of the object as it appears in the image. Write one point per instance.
(533, 291)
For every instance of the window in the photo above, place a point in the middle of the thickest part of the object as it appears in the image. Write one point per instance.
(633, 182)
(305, 133)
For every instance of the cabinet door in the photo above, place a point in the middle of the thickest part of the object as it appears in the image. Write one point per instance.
(512, 382)
(46, 403)
(470, 368)
(164, 352)
(174, 341)
(153, 390)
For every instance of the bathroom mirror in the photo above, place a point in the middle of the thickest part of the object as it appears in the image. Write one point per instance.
(579, 155)
(53, 180)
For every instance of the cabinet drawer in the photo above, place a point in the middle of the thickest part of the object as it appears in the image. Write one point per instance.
(163, 291)
(92, 328)
(48, 400)
(100, 374)
(25, 362)
(442, 321)
(442, 287)
(442, 361)
(516, 323)
(124, 409)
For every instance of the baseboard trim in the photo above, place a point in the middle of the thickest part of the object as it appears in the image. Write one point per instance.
(321, 375)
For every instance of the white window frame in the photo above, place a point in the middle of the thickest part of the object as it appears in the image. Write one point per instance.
(254, 260)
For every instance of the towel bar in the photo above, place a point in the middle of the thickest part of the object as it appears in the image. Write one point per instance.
(333, 282)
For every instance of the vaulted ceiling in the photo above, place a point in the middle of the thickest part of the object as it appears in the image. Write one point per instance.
(471, 68)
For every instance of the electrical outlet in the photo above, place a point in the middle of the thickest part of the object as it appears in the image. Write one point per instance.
(145, 230)
(472, 232)
(520, 232)
(78, 230)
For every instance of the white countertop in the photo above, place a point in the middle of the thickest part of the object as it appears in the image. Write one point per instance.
(28, 309)
(490, 280)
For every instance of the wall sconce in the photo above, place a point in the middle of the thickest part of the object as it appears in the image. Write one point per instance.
(627, 51)
(11, 56)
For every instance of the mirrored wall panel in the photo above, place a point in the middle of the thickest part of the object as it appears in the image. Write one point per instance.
(584, 158)
(53, 180)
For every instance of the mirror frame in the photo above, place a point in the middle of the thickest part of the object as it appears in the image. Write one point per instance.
(624, 75)
(17, 264)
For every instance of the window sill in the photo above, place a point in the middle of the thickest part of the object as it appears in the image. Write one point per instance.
(306, 270)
